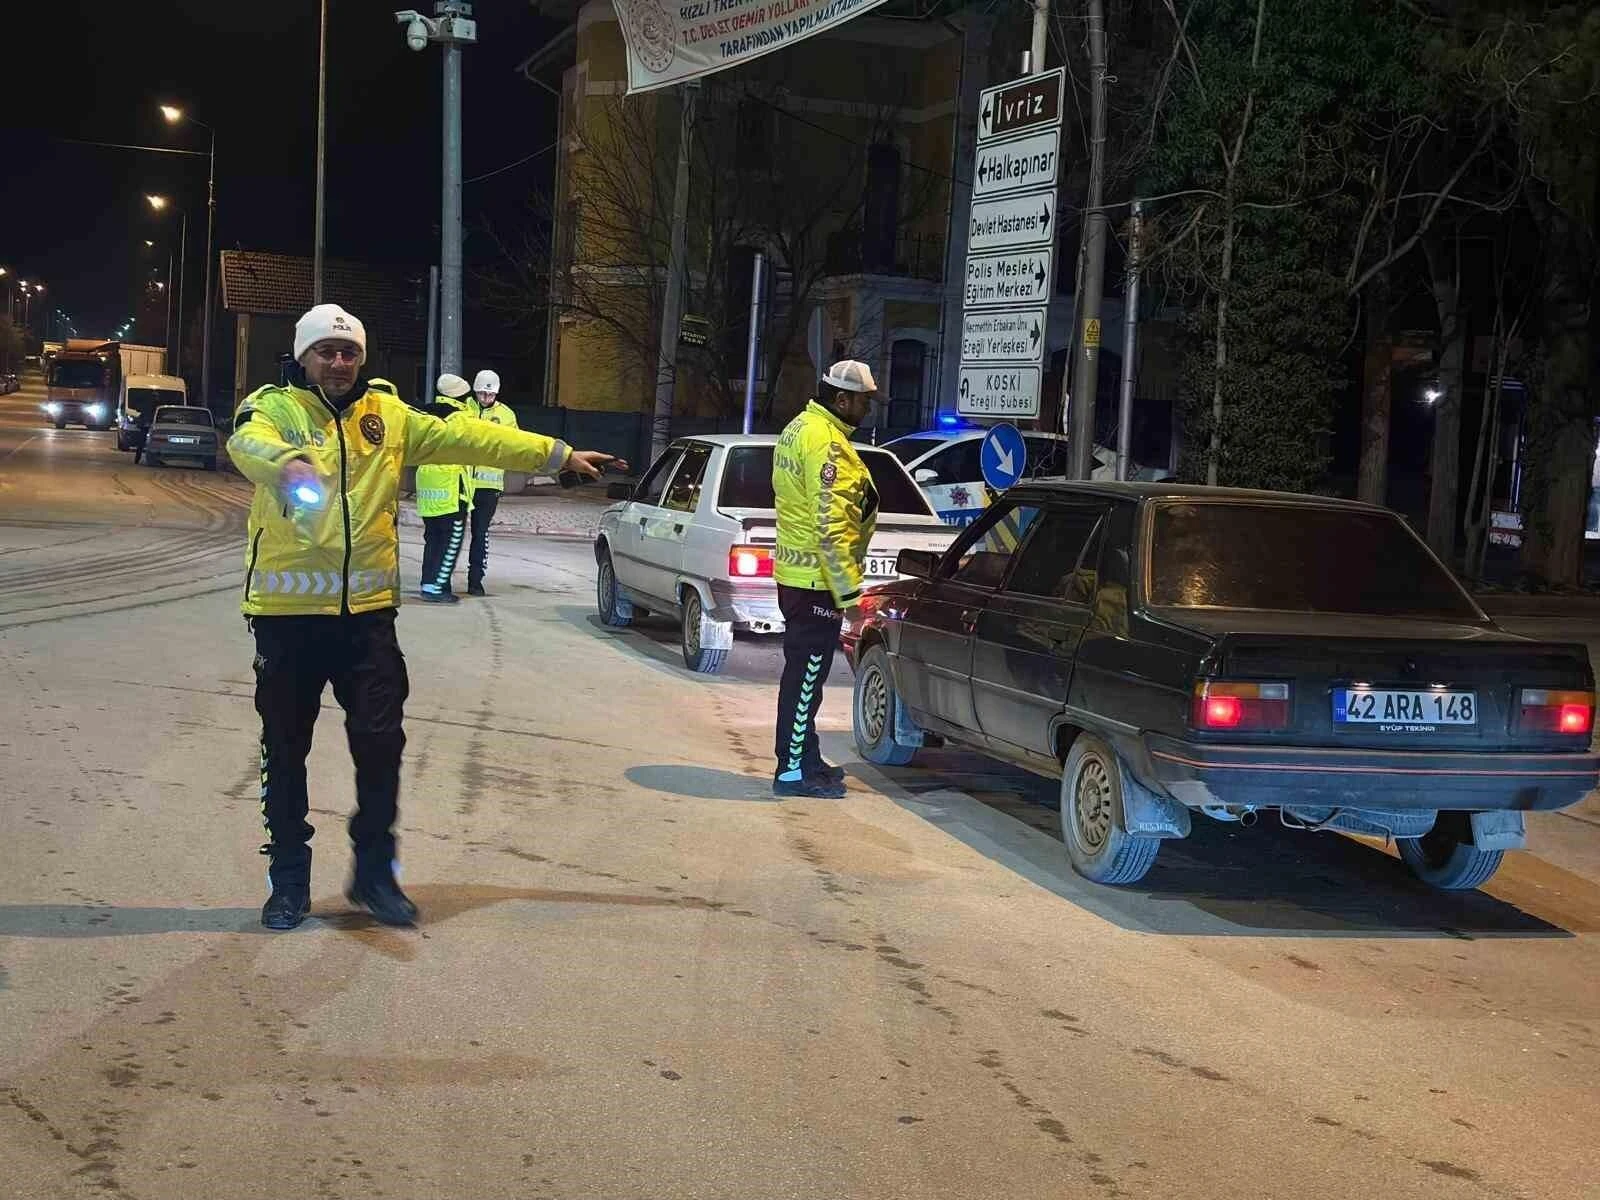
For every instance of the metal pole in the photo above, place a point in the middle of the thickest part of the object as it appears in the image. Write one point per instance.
(672, 299)
(1041, 30)
(1130, 344)
(1086, 361)
(183, 250)
(432, 367)
(166, 330)
(450, 223)
(755, 339)
(322, 146)
(205, 320)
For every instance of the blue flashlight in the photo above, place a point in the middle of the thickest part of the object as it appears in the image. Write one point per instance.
(307, 494)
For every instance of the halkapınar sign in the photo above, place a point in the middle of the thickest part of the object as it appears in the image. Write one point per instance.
(670, 43)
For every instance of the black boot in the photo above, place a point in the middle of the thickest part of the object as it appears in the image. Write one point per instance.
(290, 902)
(374, 888)
(475, 589)
(817, 768)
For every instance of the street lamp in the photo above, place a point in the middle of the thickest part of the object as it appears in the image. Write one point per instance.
(452, 27)
(161, 204)
(174, 115)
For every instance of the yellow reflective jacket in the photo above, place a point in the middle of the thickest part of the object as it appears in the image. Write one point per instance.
(827, 506)
(342, 555)
(442, 488)
(500, 413)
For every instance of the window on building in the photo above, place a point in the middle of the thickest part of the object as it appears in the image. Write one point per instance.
(880, 218)
(907, 371)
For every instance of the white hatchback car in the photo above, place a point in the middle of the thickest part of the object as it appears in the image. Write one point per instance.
(695, 536)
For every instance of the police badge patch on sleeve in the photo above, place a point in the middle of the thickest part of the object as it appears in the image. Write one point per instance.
(372, 428)
(830, 474)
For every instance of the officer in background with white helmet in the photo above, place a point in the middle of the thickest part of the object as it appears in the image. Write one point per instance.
(444, 500)
(827, 508)
(487, 482)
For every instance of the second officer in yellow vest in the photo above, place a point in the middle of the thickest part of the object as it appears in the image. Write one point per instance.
(827, 508)
(444, 501)
(487, 482)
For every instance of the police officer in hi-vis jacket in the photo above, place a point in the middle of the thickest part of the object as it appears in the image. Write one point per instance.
(322, 585)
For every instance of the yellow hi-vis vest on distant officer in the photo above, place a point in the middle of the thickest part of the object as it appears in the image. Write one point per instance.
(501, 414)
(342, 555)
(827, 506)
(443, 488)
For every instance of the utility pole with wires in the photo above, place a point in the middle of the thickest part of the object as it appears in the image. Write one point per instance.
(672, 296)
(1041, 30)
(1081, 385)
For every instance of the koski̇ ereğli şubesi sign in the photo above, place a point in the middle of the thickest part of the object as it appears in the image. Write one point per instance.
(670, 43)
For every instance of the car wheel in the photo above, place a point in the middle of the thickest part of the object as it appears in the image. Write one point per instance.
(1098, 846)
(875, 710)
(153, 460)
(61, 424)
(1444, 859)
(211, 464)
(615, 609)
(696, 656)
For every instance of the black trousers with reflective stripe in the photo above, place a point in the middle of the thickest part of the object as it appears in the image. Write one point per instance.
(441, 546)
(296, 658)
(810, 637)
(484, 502)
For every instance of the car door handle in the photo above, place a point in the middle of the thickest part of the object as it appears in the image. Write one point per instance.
(643, 521)
(677, 529)
(969, 619)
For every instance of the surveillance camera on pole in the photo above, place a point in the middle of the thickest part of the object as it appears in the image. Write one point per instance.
(452, 27)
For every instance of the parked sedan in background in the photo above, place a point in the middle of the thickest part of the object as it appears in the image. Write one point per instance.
(695, 538)
(1167, 650)
(180, 432)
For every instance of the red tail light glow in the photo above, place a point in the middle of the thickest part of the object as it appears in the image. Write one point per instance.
(1570, 713)
(750, 562)
(1222, 704)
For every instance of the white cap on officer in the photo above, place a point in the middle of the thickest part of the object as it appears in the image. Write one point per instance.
(328, 323)
(851, 376)
(486, 381)
(453, 386)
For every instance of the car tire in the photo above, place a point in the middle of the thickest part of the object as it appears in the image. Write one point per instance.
(874, 712)
(1444, 859)
(211, 464)
(1098, 846)
(696, 656)
(61, 424)
(615, 608)
(153, 460)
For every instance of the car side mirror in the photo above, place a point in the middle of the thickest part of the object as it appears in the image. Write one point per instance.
(619, 491)
(916, 564)
(925, 476)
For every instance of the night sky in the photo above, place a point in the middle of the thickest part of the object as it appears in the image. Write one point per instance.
(74, 216)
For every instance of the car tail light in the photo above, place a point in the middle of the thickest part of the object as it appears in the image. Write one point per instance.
(1222, 704)
(750, 562)
(1571, 713)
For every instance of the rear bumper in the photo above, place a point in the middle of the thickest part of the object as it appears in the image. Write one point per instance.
(747, 606)
(1201, 775)
(203, 449)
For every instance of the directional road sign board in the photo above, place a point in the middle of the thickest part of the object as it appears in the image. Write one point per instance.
(1014, 335)
(1015, 277)
(1004, 455)
(998, 391)
(1012, 222)
(1030, 161)
(1031, 103)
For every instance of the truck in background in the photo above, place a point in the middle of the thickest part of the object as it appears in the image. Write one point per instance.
(83, 381)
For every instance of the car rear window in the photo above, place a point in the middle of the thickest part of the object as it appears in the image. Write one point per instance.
(1292, 558)
(145, 401)
(747, 481)
(184, 416)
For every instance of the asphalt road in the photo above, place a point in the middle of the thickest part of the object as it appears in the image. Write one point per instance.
(639, 976)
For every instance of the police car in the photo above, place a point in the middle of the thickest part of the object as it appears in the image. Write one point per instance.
(947, 465)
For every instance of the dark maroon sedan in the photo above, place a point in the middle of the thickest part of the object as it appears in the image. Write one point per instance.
(1166, 650)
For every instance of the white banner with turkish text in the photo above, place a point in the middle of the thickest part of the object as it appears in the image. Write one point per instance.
(673, 42)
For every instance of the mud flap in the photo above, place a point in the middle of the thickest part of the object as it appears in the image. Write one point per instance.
(1146, 814)
(1499, 831)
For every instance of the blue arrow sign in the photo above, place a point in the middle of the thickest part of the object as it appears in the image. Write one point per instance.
(1004, 456)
